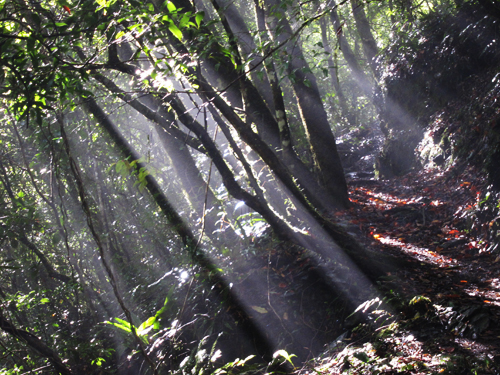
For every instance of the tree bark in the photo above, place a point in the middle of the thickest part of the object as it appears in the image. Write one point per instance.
(370, 48)
(277, 94)
(334, 76)
(247, 47)
(314, 118)
(360, 77)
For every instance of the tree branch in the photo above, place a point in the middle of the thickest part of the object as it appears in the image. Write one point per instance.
(36, 344)
(164, 119)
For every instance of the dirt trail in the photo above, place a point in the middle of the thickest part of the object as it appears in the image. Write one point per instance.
(426, 217)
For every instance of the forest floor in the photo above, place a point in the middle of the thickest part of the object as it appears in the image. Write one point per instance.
(448, 303)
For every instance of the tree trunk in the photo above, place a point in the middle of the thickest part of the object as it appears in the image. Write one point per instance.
(247, 48)
(361, 78)
(209, 270)
(258, 112)
(314, 118)
(370, 48)
(333, 71)
(277, 94)
(197, 191)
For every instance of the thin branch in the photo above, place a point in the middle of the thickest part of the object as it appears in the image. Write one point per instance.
(97, 238)
(272, 50)
(167, 123)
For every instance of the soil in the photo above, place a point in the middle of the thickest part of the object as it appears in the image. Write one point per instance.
(447, 306)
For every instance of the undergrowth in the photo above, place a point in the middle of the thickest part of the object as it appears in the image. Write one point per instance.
(413, 342)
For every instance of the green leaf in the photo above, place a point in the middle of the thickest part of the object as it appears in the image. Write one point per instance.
(284, 354)
(59, 24)
(149, 322)
(120, 34)
(171, 7)
(43, 301)
(136, 54)
(99, 361)
(64, 3)
(56, 238)
(103, 3)
(36, 18)
(175, 30)
(184, 20)
(119, 166)
(165, 304)
(198, 18)
(122, 324)
(30, 44)
(362, 356)
(141, 187)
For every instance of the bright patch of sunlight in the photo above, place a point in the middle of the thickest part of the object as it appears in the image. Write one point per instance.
(421, 253)
(184, 275)
(160, 279)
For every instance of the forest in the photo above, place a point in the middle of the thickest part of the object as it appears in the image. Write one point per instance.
(197, 187)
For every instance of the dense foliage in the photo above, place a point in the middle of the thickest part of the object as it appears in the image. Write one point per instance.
(170, 177)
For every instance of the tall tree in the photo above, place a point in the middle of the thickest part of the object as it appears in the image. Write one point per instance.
(333, 71)
(100, 230)
(315, 120)
(370, 48)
